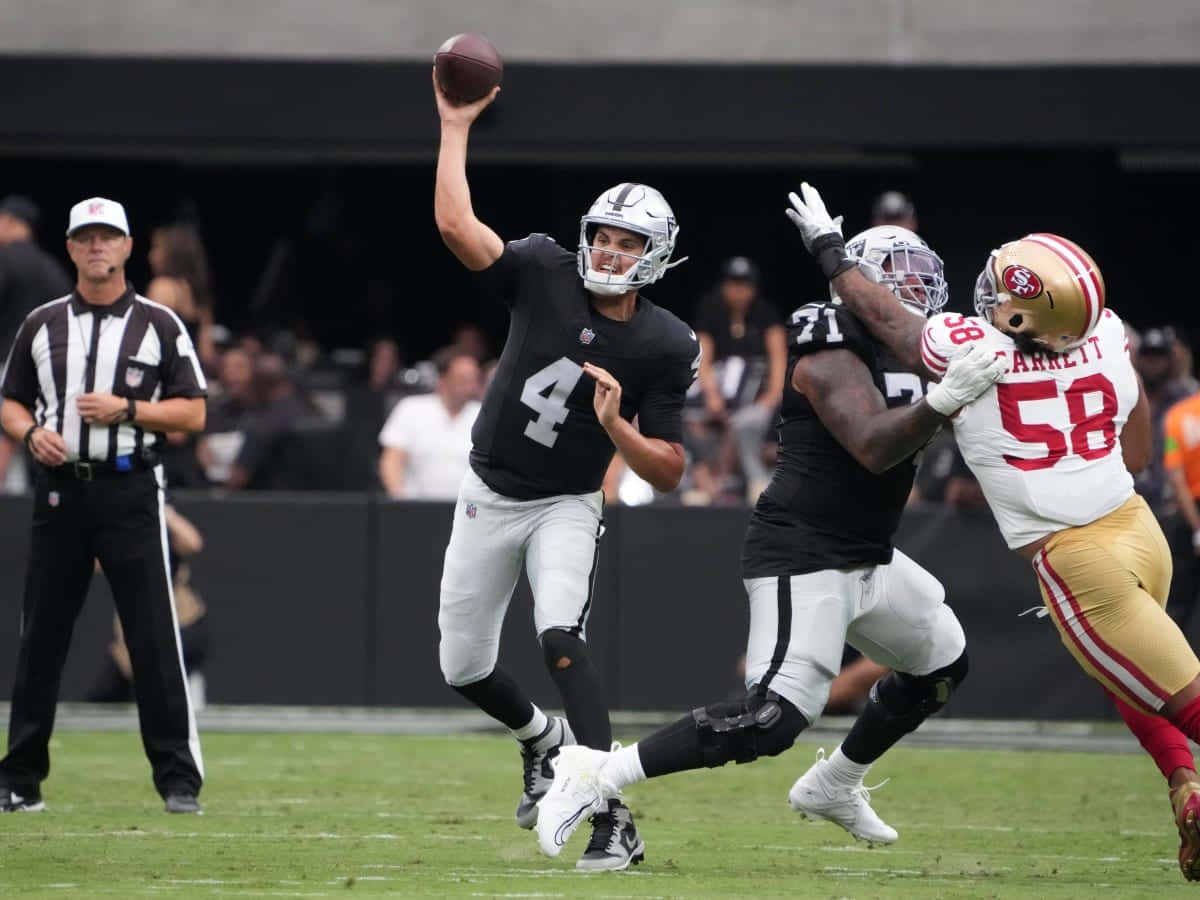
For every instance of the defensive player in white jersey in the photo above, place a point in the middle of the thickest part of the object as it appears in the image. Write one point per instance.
(1052, 444)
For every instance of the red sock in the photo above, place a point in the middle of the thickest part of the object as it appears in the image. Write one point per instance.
(1187, 720)
(1164, 741)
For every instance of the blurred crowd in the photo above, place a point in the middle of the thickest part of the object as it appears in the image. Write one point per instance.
(285, 414)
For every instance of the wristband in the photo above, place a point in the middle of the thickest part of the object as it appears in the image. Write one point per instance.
(1196, 538)
(131, 410)
(830, 252)
(29, 435)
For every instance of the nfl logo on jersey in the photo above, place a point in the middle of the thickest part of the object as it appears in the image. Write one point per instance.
(472, 511)
(133, 377)
(587, 336)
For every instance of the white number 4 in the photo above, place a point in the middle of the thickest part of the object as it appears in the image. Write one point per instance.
(559, 378)
(833, 334)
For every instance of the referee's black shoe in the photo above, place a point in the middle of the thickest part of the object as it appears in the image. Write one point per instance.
(30, 801)
(183, 803)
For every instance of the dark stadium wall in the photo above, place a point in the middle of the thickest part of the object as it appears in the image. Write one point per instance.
(333, 600)
(313, 182)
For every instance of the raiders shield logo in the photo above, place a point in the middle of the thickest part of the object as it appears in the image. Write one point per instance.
(586, 336)
(133, 376)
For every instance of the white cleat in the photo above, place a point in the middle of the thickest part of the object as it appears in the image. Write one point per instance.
(578, 793)
(817, 796)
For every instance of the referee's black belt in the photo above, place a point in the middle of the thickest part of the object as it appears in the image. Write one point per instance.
(91, 470)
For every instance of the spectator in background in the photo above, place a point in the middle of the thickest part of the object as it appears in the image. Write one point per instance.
(427, 438)
(1182, 364)
(181, 281)
(1181, 460)
(1153, 364)
(219, 445)
(472, 339)
(893, 208)
(277, 410)
(29, 277)
(742, 366)
(368, 403)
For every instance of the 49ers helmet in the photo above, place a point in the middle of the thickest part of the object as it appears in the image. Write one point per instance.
(1042, 286)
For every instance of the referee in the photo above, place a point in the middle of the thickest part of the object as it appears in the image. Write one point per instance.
(93, 381)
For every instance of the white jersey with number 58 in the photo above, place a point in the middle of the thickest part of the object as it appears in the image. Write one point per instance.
(1044, 441)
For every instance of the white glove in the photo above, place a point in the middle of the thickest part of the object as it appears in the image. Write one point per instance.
(810, 216)
(969, 375)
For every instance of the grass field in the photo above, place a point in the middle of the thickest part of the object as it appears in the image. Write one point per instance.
(319, 815)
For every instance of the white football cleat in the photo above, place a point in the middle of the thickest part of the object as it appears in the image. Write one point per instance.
(817, 796)
(577, 793)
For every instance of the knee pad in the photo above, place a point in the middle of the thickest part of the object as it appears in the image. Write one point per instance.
(562, 649)
(911, 699)
(764, 724)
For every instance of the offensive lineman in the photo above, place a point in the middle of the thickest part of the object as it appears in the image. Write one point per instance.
(1044, 446)
(820, 569)
(541, 444)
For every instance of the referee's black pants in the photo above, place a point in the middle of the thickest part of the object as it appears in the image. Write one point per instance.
(117, 518)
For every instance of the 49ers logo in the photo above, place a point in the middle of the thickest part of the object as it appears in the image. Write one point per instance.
(1022, 282)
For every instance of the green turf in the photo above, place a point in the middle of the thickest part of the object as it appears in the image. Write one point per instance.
(348, 815)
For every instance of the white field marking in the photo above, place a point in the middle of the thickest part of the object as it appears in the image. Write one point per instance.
(477, 894)
(196, 881)
(457, 837)
(410, 815)
(64, 884)
(545, 873)
(839, 870)
(1126, 832)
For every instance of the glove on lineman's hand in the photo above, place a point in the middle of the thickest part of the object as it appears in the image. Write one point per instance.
(968, 376)
(822, 234)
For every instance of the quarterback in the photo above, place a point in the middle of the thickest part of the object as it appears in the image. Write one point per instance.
(540, 446)
(1052, 444)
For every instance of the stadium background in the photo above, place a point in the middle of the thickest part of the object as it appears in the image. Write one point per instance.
(304, 150)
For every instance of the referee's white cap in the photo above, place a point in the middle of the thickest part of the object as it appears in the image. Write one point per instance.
(97, 211)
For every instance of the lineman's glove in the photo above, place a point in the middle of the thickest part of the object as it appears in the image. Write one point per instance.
(821, 233)
(967, 377)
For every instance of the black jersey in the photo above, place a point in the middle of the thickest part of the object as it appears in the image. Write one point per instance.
(537, 434)
(823, 509)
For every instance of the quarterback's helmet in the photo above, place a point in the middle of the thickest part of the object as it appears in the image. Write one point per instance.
(899, 260)
(642, 210)
(1043, 287)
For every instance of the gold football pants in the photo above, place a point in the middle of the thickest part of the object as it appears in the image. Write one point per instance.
(1105, 585)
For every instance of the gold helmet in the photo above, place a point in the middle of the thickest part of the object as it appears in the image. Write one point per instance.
(1044, 290)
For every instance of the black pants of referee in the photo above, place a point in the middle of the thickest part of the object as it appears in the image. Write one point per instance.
(116, 518)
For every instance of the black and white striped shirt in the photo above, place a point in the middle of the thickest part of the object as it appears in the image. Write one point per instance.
(132, 348)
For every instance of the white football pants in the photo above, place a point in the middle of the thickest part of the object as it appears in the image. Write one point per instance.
(894, 614)
(558, 540)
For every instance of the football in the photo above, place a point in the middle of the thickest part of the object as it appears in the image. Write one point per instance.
(467, 67)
